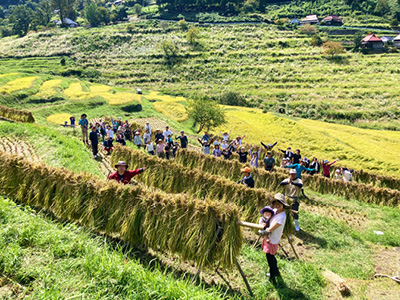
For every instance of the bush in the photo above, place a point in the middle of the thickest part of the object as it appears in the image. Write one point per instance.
(183, 24)
(6, 31)
(308, 29)
(137, 8)
(169, 48)
(332, 48)
(316, 40)
(282, 21)
(193, 35)
(164, 25)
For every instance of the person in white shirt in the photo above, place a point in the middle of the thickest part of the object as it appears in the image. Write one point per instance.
(347, 175)
(150, 147)
(225, 135)
(147, 127)
(166, 133)
(110, 132)
(274, 233)
(147, 136)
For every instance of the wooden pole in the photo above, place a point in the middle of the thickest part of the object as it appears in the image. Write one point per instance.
(244, 279)
(250, 225)
(291, 244)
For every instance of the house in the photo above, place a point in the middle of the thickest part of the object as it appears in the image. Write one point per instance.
(311, 19)
(371, 41)
(396, 41)
(118, 2)
(333, 20)
(386, 39)
(294, 21)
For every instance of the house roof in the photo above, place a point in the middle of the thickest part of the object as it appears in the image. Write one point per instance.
(397, 38)
(371, 38)
(334, 18)
(386, 38)
(312, 18)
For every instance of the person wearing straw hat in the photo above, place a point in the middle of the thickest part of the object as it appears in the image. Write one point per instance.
(123, 175)
(247, 178)
(274, 233)
(293, 186)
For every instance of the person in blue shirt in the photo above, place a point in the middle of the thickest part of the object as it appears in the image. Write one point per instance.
(299, 168)
(206, 137)
(84, 123)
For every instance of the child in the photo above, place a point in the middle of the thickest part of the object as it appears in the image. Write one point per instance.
(206, 146)
(108, 145)
(174, 149)
(167, 150)
(128, 133)
(137, 139)
(254, 158)
(150, 148)
(338, 176)
(266, 215)
(72, 119)
(169, 140)
(160, 148)
(216, 152)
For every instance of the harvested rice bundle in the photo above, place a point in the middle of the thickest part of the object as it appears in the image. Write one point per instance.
(164, 222)
(16, 115)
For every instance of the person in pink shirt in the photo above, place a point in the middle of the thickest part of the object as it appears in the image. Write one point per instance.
(325, 167)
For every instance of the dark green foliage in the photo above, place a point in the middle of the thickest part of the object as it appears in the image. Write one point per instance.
(232, 98)
(21, 18)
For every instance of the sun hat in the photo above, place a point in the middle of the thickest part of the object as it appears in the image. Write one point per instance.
(137, 132)
(281, 199)
(246, 170)
(337, 171)
(292, 171)
(326, 161)
(182, 131)
(121, 163)
(159, 140)
(267, 208)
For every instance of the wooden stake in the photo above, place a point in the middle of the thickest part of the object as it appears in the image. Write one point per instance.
(244, 279)
(250, 225)
(291, 244)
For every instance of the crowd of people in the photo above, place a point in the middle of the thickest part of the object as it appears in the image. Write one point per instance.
(165, 144)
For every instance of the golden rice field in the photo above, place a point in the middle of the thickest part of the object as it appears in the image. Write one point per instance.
(356, 148)
(58, 118)
(153, 95)
(6, 75)
(172, 110)
(76, 92)
(17, 84)
(48, 88)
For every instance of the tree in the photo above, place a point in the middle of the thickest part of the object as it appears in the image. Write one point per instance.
(232, 98)
(193, 35)
(1, 12)
(183, 24)
(137, 8)
(308, 29)
(316, 40)
(382, 8)
(104, 15)
(44, 13)
(21, 17)
(169, 48)
(92, 14)
(206, 114)
(357, 40)
(332, 48)
(65, 9)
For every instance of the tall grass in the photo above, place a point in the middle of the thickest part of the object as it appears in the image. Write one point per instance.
(164, 222)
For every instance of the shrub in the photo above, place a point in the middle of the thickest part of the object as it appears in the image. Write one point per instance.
(316, 40)
(169, 48)
(332, 48)
(308, 29)
(183, 24)
(232, 98)
(193, 35)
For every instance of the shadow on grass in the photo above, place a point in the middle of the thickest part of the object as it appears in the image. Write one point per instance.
(286, 292)
(307, 238)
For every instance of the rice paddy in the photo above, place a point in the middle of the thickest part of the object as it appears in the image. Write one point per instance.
(48, 88)
(17, 84)
(59, 119)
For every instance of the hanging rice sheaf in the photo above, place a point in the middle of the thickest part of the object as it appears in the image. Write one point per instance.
(16, 115)
(164, 222)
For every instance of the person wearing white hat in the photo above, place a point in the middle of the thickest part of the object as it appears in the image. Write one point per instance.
(338, 176)
(293, 187)
(148, 127)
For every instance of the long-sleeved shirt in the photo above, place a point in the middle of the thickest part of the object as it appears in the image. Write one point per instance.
(325, 168)
(299, 168)
(296, 158)
(183, 140)
(225, 137)
(288, 154)
(93, 137)
(248, 181)
(126, 177)
(216, 152)
(137, 140)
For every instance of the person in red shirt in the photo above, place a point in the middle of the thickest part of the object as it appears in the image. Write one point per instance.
(123, 175)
